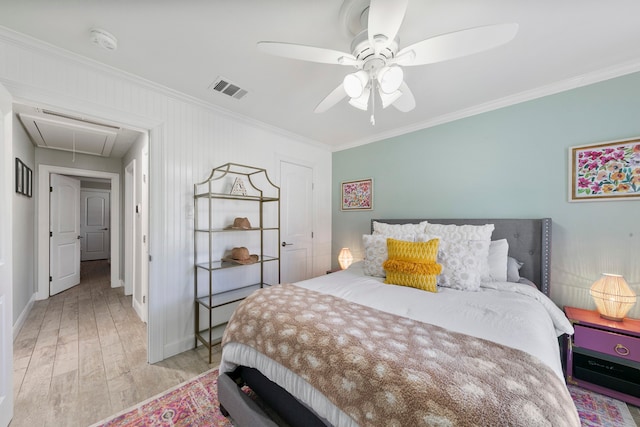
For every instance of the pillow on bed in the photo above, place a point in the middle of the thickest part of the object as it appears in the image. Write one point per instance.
(413, 264)
(474, 235)
(463, 262)
(375, 252)
(498, 254)
(390, 230)
(513, 269)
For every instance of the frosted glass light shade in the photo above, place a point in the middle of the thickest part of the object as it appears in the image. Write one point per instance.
(355, 83)
(345, 258)
(613, 296)
(390, 78)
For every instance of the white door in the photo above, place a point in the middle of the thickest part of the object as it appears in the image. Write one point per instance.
(64, 265)
(6, 272)
(296, 198)
(94, 224)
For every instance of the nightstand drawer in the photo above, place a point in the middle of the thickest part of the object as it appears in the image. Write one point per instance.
(607, 342)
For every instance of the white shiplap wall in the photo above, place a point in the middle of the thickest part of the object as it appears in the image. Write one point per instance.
(188, 138)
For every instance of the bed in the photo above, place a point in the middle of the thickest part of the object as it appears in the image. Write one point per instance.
(347, 349)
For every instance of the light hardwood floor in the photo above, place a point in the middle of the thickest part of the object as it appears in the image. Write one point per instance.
(81, 356)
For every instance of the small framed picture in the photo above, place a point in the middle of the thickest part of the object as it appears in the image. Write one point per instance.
(357, 195)
(19, 176)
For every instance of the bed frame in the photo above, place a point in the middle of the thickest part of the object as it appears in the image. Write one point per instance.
(529, 242)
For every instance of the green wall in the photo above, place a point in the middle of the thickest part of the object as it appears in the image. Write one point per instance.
(511, 162)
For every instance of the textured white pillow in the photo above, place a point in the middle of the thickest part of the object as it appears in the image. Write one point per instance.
(375, 252)
(498, 254)
(462, 263)
(382, 228)
(460, 232)
(464, 254)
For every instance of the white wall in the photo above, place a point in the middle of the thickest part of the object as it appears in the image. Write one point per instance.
(188, 138)
(23, 246)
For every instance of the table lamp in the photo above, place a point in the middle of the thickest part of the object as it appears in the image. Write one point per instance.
(613, 296)
(345, 258)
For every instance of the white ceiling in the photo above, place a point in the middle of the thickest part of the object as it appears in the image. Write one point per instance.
(185, 45)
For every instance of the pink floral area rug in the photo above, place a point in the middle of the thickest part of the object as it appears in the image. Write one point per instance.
(192, 403)
(195, 403)
(596, 410)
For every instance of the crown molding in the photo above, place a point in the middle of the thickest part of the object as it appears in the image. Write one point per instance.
(601, 75)
(37, 46)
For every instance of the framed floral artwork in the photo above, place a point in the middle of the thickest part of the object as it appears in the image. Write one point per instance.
(357, 195)
(605, 171)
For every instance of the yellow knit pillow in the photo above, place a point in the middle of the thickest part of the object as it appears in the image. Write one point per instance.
(412, 264)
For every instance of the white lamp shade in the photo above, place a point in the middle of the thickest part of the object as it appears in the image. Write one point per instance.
(390, 78)
(355, 83)
(345, 258)
(362, 102)
(613, 296)
(389, 98)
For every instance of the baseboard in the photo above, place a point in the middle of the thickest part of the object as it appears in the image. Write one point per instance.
(23, 316)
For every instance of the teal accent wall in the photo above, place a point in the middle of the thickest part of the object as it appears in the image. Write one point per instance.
(512, 162)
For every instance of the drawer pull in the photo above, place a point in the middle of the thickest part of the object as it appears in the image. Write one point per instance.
(621, 350)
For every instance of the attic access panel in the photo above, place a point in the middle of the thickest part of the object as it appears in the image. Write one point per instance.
(84, 138)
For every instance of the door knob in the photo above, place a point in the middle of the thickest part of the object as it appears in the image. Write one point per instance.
(104, 229)
(286, 244)
(79, 237)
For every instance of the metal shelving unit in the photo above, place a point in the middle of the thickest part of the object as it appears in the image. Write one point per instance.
(212, 198)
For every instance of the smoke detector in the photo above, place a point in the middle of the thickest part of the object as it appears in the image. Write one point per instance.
(104, 39)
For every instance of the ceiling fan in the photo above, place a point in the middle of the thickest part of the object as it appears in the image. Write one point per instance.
(378, 58)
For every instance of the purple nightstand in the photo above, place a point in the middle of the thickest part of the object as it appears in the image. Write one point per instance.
(603, 355)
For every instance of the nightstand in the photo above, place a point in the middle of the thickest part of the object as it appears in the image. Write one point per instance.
(604, 355)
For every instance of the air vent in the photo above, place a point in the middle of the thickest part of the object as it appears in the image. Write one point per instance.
(224, 86)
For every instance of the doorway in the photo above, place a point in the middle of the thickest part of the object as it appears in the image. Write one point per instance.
(43, 213)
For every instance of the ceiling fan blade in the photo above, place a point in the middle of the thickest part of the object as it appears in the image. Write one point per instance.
(385, 18)
(306, 53)
(406, 102)
(457, 44)
(336, 95)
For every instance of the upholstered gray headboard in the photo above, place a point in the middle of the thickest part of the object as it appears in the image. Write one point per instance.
(529, 242)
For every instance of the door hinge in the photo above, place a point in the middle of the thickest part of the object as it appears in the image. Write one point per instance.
(50, 279)
(144, 239)
(51, 234)
(150, 258)
(312, 234)
(144, 299)
(50, 189)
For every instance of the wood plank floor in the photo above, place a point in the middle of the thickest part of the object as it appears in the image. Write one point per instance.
(82, 356)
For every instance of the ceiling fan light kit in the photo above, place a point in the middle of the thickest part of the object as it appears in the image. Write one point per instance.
(377, 57)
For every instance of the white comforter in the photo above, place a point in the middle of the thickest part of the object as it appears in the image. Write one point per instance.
(511, 314)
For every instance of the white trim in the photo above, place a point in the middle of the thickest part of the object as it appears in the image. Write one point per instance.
(43, 48)
(129, 267)
(44, 172)
(17, 326)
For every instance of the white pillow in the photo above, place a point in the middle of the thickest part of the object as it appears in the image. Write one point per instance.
(513, 269)
(382, 228)
(462, 263)
(375, 252)
(498, 254)
(459, 233)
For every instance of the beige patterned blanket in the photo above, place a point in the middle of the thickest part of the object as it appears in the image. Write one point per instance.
(383, 369)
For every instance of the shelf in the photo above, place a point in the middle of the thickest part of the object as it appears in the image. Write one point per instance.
(235, 197)
(213, 202)
(227, 230)
(219, 265)
(228, 297)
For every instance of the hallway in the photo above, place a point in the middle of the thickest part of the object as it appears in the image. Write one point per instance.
(82, 356)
